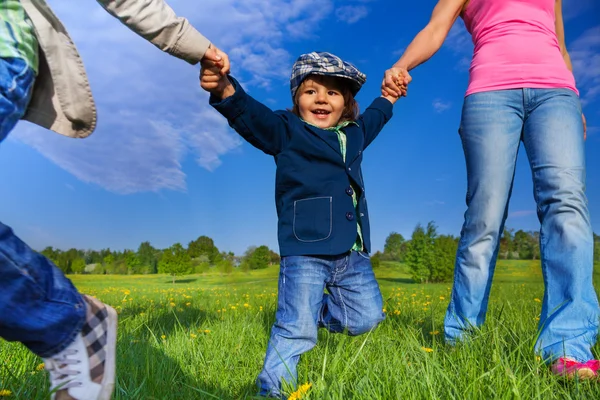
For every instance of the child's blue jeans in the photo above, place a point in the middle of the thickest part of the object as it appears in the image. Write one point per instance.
(352, 304)
(548, 122)
(39, 306)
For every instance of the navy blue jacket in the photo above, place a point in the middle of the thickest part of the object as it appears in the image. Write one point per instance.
(313, 191)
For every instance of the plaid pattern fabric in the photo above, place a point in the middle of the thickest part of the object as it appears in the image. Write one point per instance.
(323, 63)
(358, 245)
(17, 35)
(95, 333)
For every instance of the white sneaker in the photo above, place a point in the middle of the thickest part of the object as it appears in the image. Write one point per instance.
(86, 369)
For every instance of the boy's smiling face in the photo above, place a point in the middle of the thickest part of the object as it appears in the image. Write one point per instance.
(320, 101)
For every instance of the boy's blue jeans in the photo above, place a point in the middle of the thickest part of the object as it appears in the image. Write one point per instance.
(352, 304)
(548, 121)
(39, 306)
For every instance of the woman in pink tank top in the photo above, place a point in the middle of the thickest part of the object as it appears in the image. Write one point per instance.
(521, 88)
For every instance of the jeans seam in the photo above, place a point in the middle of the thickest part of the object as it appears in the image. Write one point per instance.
(343, 304)
(283, 271)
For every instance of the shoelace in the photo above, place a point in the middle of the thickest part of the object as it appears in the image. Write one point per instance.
(60, 373)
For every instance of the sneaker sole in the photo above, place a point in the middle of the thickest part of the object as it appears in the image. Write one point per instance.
(108, 381)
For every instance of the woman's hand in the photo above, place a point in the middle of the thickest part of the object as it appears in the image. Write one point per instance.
(395, 82)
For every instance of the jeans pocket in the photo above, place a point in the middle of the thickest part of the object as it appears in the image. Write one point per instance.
(364, 255)
(313, 219)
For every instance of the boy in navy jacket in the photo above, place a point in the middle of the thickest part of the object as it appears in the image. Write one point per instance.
(323, 221)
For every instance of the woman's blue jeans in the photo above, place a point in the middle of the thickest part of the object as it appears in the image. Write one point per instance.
(548, 122)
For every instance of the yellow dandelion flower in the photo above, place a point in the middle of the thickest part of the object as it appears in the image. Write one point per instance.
(40, 367)
(302, 390)
(427, 349)
(163, 337)
(537, 300)
(261, 308)
(207, 331)
(434, 333)
(5, 393)
(413, 295)
(246, 305)
(172, 304)
(187, 304)
(442, 298)
(193, 336)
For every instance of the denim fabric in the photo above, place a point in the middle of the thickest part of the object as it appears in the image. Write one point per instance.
(352, 304)
(39, 306)
(548, 121)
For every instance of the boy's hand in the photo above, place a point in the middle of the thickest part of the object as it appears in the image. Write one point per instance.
(213, 82)
(395, 82)
(220, 58)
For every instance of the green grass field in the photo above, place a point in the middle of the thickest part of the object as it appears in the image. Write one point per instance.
(205, 336)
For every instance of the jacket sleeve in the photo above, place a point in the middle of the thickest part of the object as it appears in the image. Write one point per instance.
(256, 123)
(374, 119)
(156, 22)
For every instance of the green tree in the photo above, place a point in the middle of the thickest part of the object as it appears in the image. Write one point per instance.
(132, 262)
(78, 266)
(148, 257)
(421, 252)
(523, 246)
(204, 245)
(175, 261)
(256, 258)
(225, 266)
(506, 244)
(51, 254)
(445, 247)
(109, 263)
(376, 260)
(200, 264)
(394, 247)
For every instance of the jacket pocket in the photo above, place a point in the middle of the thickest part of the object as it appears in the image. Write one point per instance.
(313, 219)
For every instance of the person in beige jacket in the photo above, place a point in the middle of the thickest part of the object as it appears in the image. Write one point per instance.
(42, 80)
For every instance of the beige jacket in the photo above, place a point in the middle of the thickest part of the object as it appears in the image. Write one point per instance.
(62, 100)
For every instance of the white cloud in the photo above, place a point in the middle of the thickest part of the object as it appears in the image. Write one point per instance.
(351, 14)
(152, 112)
(585, 57)
(440, 106)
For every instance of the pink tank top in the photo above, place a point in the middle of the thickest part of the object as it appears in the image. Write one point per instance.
(515, 46)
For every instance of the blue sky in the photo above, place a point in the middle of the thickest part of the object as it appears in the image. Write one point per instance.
(164, 167)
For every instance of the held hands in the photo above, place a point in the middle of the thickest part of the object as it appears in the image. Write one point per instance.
(395, 82)
(220, 59)
(212, 77)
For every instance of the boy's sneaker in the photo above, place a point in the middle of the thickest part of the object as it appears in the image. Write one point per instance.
(86, 369)
(570, 368)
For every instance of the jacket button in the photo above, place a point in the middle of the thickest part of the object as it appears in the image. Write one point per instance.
(349, 191)
(349, 216)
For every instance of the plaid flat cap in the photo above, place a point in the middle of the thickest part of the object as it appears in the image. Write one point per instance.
(323, 63)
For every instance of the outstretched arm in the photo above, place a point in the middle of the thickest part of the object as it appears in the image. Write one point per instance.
(427, 42)
(156, 22)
